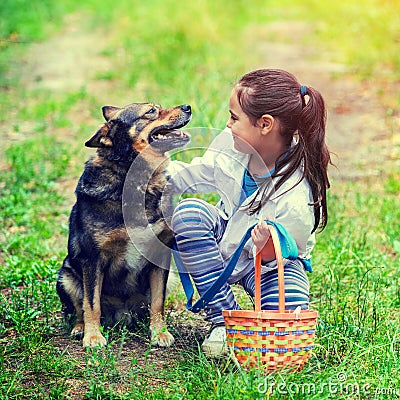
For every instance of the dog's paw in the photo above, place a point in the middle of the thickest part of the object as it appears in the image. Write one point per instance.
(77, 331)
(94, 339)
(161, 337)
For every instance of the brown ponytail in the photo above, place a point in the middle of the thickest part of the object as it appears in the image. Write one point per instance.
(314, 153)
(278, 93)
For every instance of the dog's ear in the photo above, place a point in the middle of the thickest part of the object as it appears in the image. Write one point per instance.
(100, 139)
(109, 112)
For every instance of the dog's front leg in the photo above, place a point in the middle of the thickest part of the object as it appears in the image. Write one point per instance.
(158, 328)
(93, 280)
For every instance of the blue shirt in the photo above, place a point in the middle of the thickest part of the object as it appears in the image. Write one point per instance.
(251, 183)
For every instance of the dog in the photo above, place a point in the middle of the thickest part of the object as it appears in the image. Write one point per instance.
(119, 253)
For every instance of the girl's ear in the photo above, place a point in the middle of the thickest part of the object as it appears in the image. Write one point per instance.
(266, 123)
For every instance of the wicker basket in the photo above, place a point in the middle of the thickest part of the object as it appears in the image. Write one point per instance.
(271, 340)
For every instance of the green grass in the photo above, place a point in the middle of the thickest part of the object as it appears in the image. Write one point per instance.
(364, 35)
(29, 188)
(191, 53)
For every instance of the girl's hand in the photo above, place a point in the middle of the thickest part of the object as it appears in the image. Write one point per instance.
(263, 241)
(260, 235)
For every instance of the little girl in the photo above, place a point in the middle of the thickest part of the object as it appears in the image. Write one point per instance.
(270, 163)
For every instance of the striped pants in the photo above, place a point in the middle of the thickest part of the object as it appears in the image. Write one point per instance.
(198, 228)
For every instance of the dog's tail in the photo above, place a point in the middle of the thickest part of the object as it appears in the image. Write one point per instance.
(68, 307)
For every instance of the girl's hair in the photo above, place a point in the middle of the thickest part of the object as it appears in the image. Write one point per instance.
(279, 94)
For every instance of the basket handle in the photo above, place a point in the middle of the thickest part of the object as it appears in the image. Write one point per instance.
(281, 279)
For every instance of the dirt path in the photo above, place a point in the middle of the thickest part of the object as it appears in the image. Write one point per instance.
(357, 124)
(72, 60)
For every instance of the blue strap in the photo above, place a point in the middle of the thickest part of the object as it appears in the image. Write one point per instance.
(289, 251)
(307, 264)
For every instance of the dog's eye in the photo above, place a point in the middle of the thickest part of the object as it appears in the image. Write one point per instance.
(151, 111)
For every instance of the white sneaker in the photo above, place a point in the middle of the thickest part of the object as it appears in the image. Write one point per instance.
(214, 344)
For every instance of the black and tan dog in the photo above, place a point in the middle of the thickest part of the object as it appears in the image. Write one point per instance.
(106, 278)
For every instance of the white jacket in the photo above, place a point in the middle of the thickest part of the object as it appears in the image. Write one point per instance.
(221, 170)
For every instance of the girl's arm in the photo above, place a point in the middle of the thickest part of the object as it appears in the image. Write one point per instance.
(197, 176)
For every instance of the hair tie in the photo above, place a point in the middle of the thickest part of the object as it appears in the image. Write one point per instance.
(303, 90)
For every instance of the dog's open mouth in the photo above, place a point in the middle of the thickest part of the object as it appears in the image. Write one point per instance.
(168, 139)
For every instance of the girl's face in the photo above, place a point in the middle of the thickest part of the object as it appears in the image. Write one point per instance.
(246, 136)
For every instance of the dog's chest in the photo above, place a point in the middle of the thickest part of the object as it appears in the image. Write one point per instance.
(144, 245)
(144, 207)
